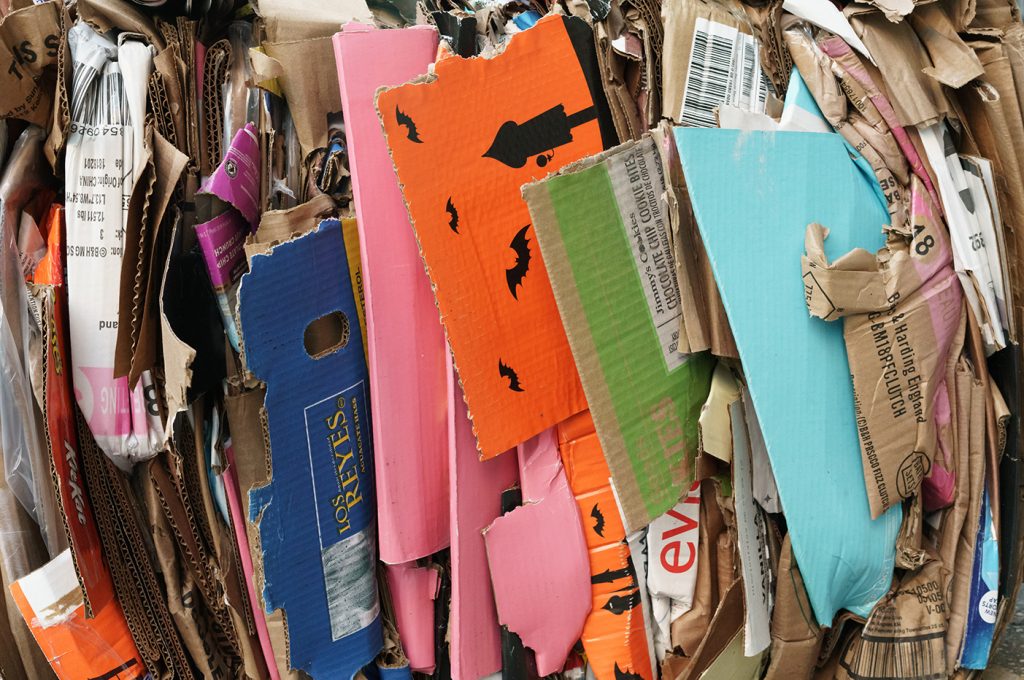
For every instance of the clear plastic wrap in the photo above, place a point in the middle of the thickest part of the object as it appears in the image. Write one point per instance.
(25, 457)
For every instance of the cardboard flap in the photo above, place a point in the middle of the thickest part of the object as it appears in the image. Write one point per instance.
(603, 230)
(615, 635)
(273, 331)
(548, 524)
(309, 82)
(407, 389)
(304, 19)
(29, 39)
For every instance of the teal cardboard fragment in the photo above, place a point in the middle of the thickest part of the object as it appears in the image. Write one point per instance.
(753, 194)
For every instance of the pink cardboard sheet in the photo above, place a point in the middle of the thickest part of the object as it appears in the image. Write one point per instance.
(242, 539)
(476, 487)
(538, 559)
(413, 590)
(408, 384)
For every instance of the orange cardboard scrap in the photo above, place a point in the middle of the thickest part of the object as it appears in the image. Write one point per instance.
(614, 636)
(463, 143)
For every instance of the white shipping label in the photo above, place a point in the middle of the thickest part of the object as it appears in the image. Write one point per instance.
(639, 185)
(724, 68)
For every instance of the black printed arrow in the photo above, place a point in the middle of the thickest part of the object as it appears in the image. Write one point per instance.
(613, 575)
(515, 143)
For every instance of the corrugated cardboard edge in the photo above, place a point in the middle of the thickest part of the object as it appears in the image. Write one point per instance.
(599, 397)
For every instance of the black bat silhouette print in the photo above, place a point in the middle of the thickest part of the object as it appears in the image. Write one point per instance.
(595, 512)
(626, 675)
(513, 379)
(620, 604)
(410, 127)
(453, 215)
(514, 276)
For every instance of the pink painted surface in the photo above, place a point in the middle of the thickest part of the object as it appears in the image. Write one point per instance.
(836, 47)
(408, 384)
(238, 522)
(540, 569)
(476, 487)
(413, 590)
(938, 490)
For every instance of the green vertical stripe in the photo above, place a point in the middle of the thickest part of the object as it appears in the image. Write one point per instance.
(656, 411)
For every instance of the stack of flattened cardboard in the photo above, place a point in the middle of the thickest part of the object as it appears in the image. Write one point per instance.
(623, 339)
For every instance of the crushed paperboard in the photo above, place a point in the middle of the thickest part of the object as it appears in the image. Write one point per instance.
(751, 540)
(796, 637)
(548, 524)
(615, 636)
(715, 422)
(904, 635)
(76, 646)
(900, 308)
(317, 413)
(413, 590)
(29, 42)
(672, 566)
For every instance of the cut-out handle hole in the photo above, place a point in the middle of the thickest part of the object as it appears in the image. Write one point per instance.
(327, 334)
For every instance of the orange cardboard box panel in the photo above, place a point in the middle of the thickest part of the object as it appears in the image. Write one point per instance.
(463, 142)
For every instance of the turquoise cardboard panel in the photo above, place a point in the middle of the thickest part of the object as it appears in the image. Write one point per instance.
(754, 194)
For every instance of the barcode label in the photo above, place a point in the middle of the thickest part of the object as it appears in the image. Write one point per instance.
(920, 658)
(724, 68)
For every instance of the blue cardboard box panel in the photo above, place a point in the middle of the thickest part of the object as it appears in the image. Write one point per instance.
(316, 516)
